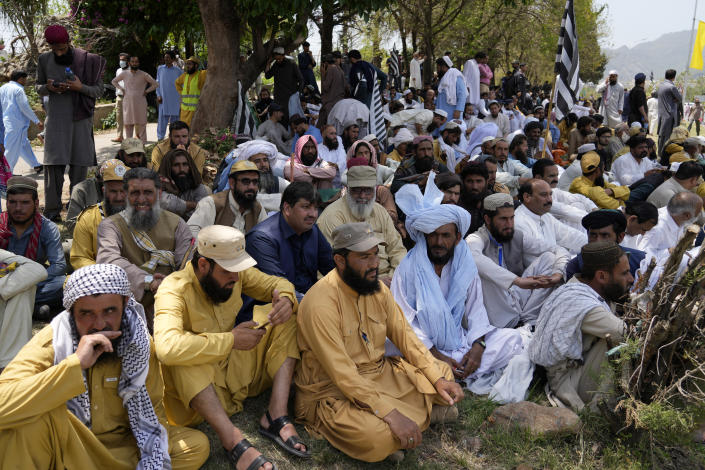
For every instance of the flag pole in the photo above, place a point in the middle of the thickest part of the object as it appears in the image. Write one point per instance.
(548, 118)
(690, 47)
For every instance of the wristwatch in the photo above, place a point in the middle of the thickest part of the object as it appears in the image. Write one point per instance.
(148, 282)
(480, 342)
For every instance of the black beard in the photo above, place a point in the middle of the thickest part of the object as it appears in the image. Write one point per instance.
(308, 159)
(498, 236)
(613, 83)
(431, 127)
(268, 182)
(20, 222)
(614, 292)
(134, 68)
(66, 59)
(520, 155)
(191, 71)
(111, 209)
(600, 181)
(359, 283)
(423, 165)
(245, 200)
(331, 143)
(442, 259)
(472, 200)
(217, 294)
(173, 145)
(183, 182)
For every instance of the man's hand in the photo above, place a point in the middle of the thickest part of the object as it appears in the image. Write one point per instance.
(472, 359)
(75, 84)
(158, 278)
(58, 88)
(530, 282)
(92, 346)
(652, 171)
(181, 147)
(40, 125)
(282, 309)
(609, 192)
(454, 365)
(247, 336)
(451, 392)
(159, 99)
(550, 281)
(404, 429)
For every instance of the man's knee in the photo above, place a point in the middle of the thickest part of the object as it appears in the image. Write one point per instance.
(188, 448)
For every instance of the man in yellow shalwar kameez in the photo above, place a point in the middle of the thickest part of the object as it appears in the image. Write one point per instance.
(365, 404)
(210, 364)
(86, 391)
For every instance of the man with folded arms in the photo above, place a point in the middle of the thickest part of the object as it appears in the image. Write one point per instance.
(210, 362)
(365, 404)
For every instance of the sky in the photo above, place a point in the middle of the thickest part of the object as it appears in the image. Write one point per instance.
(653, 17)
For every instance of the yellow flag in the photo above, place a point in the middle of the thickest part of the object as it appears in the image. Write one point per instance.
(696, 58)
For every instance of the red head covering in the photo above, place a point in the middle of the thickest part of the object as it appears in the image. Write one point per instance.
(420, 138)
(56, 34)
(300, 146)
(352, 160)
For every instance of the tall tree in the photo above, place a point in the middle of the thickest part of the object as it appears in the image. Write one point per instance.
(23, 15)
(335, 12)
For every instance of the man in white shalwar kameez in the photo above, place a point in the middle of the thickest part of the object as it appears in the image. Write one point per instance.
(438, 288)
(612, 102)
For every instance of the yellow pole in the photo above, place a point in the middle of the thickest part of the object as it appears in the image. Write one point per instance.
(548, 119)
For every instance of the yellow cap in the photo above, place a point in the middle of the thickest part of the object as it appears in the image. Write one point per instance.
(243, 165)
(226, 246)
(589, 162)
(193, 59)
(112, 170)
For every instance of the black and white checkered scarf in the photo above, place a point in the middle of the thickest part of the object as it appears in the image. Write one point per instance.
(132, 348)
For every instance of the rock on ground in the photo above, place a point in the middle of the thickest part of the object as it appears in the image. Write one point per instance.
(537, 419)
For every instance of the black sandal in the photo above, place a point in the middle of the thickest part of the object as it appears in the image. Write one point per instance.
(273, 433)
(236, 453)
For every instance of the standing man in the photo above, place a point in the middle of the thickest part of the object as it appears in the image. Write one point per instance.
(452, 90)
(332, 88)
(362, 78)
(485, 72)
(137, 85)
(167, 96)
(652, 104)
(669, 101)
(306, 65)
(287, 80)
(189, 86)
(612, 103)
(694, 116)
(124, 65)
(68, 137)
(16, 116)
(638, 107)
(415, 80)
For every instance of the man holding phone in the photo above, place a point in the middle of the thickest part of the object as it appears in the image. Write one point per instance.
(211, 361)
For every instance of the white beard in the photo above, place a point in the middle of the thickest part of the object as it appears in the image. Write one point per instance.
(361, 211)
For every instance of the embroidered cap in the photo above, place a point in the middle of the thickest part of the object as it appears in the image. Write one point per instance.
(112, 170)
(132, 145)
(243, 165)
(496, 201)
(21, 182)
(357, 236)
(225, 246)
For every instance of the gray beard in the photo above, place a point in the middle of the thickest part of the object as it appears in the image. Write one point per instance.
(140, 220)
(361, 211)
(267, 181)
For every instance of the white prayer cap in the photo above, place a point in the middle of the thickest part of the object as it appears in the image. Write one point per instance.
(369, 138)
(450, 125)
(635, 124)
(402, 136)
(612, 72)
(447, 60)
(440, 112)
(406, 92)
(586, 148)
(487, 138)
(278, 51)
(701, 138)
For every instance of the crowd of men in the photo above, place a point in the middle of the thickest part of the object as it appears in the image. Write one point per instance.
(379, 279)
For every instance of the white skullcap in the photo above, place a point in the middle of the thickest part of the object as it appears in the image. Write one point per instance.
(447, 60)
(635, 124)
(403, 135)
(487, 138)
(440, 112)
(406, 92)
(369, 138)
(612, 72)
(586, 148)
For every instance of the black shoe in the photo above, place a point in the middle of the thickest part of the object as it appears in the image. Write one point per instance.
(56, 218)
(39, 169)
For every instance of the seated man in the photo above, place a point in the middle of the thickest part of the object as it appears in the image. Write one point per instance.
(84, 248)
(438, 289)
(593, 185)
(606, 225)
(147, 242)
(641, 217)
(211, 365)
(19, 277)
(686, 178)
(449, 152)
(66, 401)
(365, 404)
(273, 131)
(351, 131)
(88, 192)
(358, 205)
(511, 173)
(569, 339)
(415, 169)
(179, 138)
(513, 288)
(237, 208)
(574, 171)
(331, 150)
(289, 244)
(474, 190)
(363, 153)
(181, 183)
(569, 208)
(534, 220)
(633, 166)
(682, 210)
(24, 231)
(449, 184)
(579, 135)
(492, 185)
(131, 153)
(308, 166)
(301, 127)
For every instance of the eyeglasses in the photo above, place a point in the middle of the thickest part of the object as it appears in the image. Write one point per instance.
(248, 181)
(361, 191)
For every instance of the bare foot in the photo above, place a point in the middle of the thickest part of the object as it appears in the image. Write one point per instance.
(285, 433)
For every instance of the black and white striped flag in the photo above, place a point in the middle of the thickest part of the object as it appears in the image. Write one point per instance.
(394, 63)
(568, 84)
(244, 122)
(377, 126)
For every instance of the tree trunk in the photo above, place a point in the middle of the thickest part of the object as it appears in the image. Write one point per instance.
(428, 65)
(218, 100)
(326, 28)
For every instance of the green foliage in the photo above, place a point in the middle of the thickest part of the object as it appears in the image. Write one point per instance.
(217, 141)
(109, 121)
(669, 424)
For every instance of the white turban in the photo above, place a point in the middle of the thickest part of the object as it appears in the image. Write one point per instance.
(447, 60)
(403, 135)
(252, 147)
